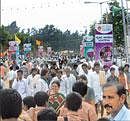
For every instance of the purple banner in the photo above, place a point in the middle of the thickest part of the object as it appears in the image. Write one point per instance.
(103, 43)
(103, 52)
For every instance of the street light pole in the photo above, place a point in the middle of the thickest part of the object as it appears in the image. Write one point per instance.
(128, 31)
(0, 26)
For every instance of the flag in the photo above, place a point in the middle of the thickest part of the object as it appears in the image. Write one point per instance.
(38, 42)
(17, 39)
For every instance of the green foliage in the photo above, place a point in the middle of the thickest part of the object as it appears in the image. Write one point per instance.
(114, 17)
(12, 28)
(59, 40)
(4, 37)
(49, 35)
(116, 13)
(92, 29)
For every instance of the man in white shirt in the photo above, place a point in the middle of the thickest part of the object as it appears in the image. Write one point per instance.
(116, 68)
(67, 82)
(20, 84)
(85, 71)
(39, 83)
(30, 80)
(107, 71)
(96, 85)
(11, 75)
(30, 77)
(79, 68)
(57, 77)
(25, 70)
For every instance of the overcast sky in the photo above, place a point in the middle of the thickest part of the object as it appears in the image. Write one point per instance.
(64, 14)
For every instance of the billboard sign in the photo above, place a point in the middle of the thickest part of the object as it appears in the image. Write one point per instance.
(103, 43)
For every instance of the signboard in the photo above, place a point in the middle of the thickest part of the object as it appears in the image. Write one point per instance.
(88, 46)
(103, 43)
(27, 47)
(12, 46)
(13, 51)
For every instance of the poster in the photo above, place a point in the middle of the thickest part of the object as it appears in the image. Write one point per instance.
(12, 46)
(88, 46)
(27, 47)
(104, 43)
(13, 52)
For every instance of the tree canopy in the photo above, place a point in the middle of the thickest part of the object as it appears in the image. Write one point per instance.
(114, 17)
(48, 35)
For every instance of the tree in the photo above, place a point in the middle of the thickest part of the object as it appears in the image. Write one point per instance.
(92, 29)
(4, 38)
(13, 28)
(59, 40)
(49, 35)
(114, 17)
(116, 13)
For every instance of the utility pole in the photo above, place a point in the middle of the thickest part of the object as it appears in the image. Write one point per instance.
(0, 12)
(124, 29)
(0, 26)
(128, 30)
(128, 43)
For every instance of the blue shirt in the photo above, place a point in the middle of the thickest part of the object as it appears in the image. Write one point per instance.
(123, 115)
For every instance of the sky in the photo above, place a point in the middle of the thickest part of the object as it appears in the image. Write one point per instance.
(63, 14)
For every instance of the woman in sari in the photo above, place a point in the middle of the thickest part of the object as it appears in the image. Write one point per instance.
(56, 99)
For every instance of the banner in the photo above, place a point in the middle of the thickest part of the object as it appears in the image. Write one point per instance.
(27, 47)
(17, 54)
(13, 51)
(12, 46)
(88, 46)
(103, 43)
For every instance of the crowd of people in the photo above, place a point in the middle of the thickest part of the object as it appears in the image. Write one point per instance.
(63, 91)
